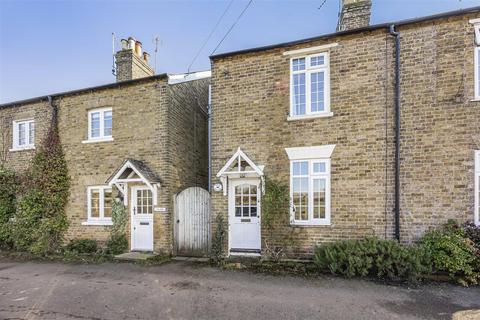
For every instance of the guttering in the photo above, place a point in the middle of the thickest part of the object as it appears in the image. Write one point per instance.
(209, 113)
(396, 34)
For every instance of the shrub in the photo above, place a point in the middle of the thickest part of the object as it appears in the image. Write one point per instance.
(452, 252)
(8, 190)
(385, 259)
(217, 251)
(472, 232)
(41, 221)
(117, 242)
(81, 246)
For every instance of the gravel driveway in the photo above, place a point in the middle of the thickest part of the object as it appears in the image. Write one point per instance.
(184, 290)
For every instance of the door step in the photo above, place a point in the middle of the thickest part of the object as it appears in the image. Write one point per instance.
(134, 256)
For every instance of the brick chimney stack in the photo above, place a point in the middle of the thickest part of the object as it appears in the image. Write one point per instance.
(355, 14)
(131, 62)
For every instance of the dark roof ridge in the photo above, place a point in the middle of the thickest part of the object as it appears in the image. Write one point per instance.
(446, 14)
(82, 90)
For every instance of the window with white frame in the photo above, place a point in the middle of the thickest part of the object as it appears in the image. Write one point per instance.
(23, 134)
(99, 204)
(476, 214)
(310, 85)
(310, 191)
(100, 124)
(477, 61)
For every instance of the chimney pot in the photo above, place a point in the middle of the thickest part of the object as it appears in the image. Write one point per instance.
(124, 44)
(146, 56)
(131, 43)
(138, 48)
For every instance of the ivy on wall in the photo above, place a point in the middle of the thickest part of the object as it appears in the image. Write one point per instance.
(9, 185)
(117, 242)
(276, 219)
(40, 220)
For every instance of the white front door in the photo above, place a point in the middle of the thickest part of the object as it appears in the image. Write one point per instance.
(142, 219)
(244, 215)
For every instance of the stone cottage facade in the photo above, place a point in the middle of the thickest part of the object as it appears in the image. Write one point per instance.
(319, 115)
(142, 139)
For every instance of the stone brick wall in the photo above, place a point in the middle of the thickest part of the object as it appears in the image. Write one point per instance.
(146, 127)
(131, 66)
(250, 99)
(439, 126)
(250, 104)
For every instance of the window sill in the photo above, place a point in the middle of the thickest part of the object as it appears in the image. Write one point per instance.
(22, 148)
(310, 116)
(310, 224)
(475, 100)
(97, 140)
(97, 223)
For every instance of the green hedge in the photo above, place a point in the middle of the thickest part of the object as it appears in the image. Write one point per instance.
(449, 249)
(372, 257)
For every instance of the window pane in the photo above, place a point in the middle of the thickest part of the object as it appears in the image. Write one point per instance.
(95, 203)
(478, 71)
(21, 134)
(317, 89)
(95, 125)
(319, 199)
(107, 204)
(300, 168)
(299, 95)
(107, 123)
(319, 167)
(253, 211)
(31, 133)
(317, 61)
(238, 211)
(298, 64)
(300, 198)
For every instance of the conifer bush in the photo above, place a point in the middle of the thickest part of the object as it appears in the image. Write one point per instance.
(372, 257)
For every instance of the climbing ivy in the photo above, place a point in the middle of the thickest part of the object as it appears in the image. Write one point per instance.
(40, 221)
(9, 186)
(117, 242)
(276, 219)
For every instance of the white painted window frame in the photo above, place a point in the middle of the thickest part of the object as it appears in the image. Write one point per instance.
(476, 210)
(15, 135)
(477, 75)
(308, 71)
(102, 136)
(101, 220)
(311, 177)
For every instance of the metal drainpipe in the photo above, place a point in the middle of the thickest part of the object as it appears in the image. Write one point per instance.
(397, 130)
(54, 110)
(209, 138)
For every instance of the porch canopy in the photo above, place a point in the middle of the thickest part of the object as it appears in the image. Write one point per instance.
(134, 171)
(240, 166)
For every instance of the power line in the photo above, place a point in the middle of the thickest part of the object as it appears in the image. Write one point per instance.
(233, 25)
(209, 36)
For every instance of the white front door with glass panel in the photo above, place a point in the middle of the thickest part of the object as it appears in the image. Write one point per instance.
(142, 219)
(244, 215)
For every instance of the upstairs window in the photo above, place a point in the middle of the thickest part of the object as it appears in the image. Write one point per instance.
(476, 213)
(309, 85)
(477, 60)
(23, 135)
(100, 124)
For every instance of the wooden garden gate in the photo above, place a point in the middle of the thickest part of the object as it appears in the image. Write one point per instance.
(192, 222)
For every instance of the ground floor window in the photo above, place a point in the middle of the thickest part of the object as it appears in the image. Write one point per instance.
(310, 191)
(477, 188)
(99, 204)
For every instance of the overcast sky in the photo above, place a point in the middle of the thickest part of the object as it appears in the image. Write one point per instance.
(54, 46)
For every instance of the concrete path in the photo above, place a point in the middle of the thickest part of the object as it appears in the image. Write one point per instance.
(184, 290)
